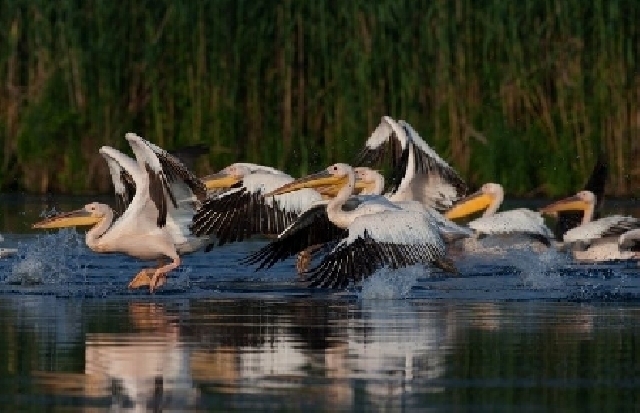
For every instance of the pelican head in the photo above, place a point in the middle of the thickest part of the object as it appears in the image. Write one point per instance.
(582, 201)
(368, 181)
(227, 177)
(488, 194)
(90, 214)
(335, 175)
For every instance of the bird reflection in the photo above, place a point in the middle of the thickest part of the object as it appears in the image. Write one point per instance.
(147, 370)
(334, 355)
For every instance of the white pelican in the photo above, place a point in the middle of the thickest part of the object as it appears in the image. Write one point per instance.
(155, 223)
(513, 222)
(419, 173)
(373, 233)
(598, 240)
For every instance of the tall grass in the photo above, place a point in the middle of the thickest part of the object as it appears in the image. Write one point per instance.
(523, 93)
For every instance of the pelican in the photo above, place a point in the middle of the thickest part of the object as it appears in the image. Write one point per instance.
(154, 225)
(605, 239)
(419, 173)
(373, 233)
(513, 222)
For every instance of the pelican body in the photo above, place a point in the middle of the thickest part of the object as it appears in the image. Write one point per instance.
(362, 233)
(519, 223)
(605, 239)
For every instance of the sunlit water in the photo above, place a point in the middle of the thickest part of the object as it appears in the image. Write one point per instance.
(515, 331)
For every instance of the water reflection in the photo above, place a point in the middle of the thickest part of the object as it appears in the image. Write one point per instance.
(334, 355)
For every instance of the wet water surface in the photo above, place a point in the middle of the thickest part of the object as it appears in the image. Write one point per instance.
(515, 331)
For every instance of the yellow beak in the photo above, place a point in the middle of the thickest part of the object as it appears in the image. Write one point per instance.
(320, 179)
(220, 180)
(363, 185)
(77, 218)
(473, 203)
(572, 203)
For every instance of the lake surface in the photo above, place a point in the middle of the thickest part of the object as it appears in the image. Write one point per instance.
(520, 331)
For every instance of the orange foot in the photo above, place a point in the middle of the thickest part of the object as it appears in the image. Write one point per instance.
(157, 281)
(142, 279)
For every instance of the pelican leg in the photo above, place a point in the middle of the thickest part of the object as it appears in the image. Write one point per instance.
(304, 258)
(160, 275)
(143, 278)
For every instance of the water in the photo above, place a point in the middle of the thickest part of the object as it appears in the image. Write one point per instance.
(520, 332)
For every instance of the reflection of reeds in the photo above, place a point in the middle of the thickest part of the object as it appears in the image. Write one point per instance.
(299, 84)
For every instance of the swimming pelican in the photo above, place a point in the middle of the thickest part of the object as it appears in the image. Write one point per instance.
(419, 173)
(373, 233)
(515, 222)
(598, 240)
(155, 223)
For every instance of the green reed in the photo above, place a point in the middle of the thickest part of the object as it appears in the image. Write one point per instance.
(523, 93)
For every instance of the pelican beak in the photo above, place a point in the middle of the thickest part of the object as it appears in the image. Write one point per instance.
(572, 203)
(363, 185)
(320, 179)
(68, 219)
(469, 205)
(220, 180)
(329, 191)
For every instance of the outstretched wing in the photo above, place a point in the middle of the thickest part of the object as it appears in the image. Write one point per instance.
(389, 239)
(121, 168)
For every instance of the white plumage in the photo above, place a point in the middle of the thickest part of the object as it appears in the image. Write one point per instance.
(605, 239)
(154, 224)
(515, 222)
(419, 172)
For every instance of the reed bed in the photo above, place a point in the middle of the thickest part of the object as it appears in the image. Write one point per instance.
(523, 93)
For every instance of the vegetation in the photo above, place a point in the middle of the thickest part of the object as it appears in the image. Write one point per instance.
(523, 93)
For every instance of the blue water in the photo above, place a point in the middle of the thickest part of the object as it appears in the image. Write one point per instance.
(515, 331)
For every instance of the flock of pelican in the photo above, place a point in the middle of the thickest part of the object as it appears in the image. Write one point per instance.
(346, 216)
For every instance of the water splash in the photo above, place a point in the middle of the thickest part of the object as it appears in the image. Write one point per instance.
(389, 284)
(540, 270)
(49, 259)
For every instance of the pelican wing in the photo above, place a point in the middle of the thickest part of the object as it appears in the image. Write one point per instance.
(121, 168)
(256, 168)
(601, 228)
(243, 210)
(387, 239)
(429, 162)
(515, 221)
(171, 186)
(630, 240)
(177, 173)
(311, 228)
(388, 141)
